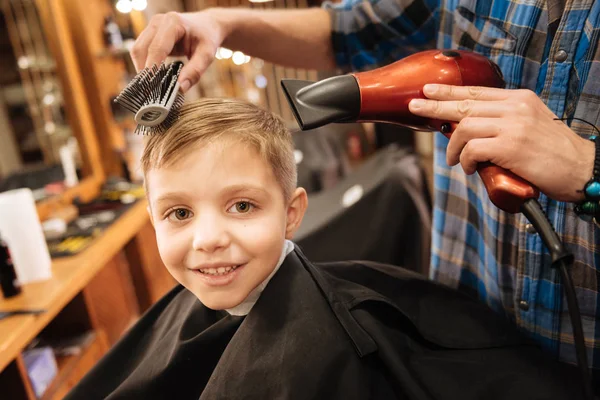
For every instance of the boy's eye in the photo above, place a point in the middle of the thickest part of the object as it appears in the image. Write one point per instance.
(180, 214)
(241, 207)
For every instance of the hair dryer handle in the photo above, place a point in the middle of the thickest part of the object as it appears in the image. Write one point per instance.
(506, 190)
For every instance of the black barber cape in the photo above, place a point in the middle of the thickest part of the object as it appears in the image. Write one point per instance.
(344, 330)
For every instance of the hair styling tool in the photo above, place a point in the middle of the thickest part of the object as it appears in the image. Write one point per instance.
(153, 96)
(383, 94)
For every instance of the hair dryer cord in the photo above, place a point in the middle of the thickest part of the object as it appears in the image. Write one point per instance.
(562, 260)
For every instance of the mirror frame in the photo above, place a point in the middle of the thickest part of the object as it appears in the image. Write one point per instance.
(58, 31)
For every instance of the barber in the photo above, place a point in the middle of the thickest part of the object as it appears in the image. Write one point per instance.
(548, 54)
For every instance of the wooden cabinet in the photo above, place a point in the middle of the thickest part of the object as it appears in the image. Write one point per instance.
(150, 277)
(98, 293)
(111, 298)
(73, 368)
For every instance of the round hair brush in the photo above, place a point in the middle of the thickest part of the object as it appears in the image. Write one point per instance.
(153, 96)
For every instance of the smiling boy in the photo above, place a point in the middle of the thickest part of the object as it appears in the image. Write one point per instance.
(254, 319)
(222, 197)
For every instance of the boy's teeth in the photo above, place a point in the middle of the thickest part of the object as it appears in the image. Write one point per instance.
(218, 271)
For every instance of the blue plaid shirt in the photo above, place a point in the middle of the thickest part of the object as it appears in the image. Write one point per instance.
(476, 247)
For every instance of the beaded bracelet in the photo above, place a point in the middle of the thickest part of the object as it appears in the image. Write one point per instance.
(591, 190)
(591, 205)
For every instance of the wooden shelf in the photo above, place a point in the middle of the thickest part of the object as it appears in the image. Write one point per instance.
(72, 368)
(92, 291)
(124, 258)
(70, 276)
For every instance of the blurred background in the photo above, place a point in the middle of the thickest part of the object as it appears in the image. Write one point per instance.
(38, 115)
(71, 152)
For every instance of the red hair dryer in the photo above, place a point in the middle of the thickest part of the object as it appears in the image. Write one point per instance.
(383, 94)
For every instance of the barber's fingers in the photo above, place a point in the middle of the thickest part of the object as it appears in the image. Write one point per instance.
(139, 51)
(201, 58)
(457, 110)
(450, 92)
(480, 150)
(467, 130)
(170, 31)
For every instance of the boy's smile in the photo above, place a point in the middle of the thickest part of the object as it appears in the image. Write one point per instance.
(217, 276)
(221, 220)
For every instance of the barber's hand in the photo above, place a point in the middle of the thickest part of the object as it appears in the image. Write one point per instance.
(512, 129)
(195, 35)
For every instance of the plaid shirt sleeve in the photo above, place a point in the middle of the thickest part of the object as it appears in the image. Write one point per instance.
(371, 33)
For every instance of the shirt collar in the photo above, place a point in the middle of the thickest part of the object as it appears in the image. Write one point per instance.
(244, 307)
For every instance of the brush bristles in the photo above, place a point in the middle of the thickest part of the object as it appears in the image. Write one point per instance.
(153, 86)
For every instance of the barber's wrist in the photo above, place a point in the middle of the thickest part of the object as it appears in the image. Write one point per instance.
(584, 169)
(228, 20)
(589, 202)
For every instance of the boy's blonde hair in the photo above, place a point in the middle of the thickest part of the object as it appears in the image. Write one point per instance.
(212, 119)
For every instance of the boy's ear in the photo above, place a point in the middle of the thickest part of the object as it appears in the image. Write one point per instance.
(150, 214)
(295, 212)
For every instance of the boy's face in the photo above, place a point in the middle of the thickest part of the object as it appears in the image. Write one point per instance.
(221, 220)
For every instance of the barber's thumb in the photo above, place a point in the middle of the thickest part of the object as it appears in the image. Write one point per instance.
(192, 71)
(189, 77)
(185, 85)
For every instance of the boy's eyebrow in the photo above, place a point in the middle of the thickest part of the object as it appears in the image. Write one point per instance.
(244, 188)
(169, 197)
(231, 190)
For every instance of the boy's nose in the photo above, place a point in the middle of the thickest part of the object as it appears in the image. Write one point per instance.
(210, 235)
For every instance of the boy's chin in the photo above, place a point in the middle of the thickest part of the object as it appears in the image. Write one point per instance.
(221, 301)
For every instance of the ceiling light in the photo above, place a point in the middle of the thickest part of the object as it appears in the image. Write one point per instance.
(139, 5)
(224, 53)
(238, 58)
(124, 6)
(260, 81)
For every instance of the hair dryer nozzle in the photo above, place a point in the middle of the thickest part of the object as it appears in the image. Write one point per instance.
(320, 103)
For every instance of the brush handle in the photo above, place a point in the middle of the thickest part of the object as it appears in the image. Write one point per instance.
(173, 94)
(506, 190)
(155, 113)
